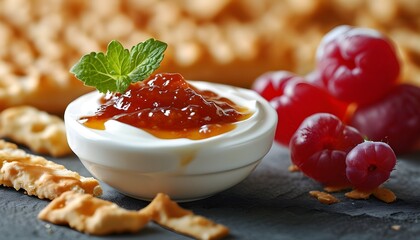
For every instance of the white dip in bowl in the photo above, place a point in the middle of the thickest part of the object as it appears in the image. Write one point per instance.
(141, 165)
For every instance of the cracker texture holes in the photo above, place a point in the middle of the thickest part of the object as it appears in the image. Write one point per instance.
(42, 132)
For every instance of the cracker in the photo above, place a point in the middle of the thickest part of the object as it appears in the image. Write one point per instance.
(95, 216)
(91, 215)
(169, 214)
(40, 177)
(43, 133)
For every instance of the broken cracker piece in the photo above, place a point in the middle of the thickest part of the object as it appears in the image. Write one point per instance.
(332, 189)
(40, 177)
(41, 132)
(385, 195)
(169, 214)
(324, 197)
(91, 215)
(357, 194)
(95, 216)
(7, 145)
(380, 193)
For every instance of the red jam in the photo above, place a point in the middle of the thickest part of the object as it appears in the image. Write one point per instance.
(167, 107)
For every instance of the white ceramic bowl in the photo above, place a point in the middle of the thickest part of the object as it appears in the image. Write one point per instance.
(140, 165)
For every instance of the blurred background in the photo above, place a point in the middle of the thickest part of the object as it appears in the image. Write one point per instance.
(227, 41)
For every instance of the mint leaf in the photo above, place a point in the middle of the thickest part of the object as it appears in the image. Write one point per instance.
(147, 58)
(115, 70)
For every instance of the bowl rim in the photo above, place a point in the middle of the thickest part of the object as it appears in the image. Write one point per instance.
(265, 124)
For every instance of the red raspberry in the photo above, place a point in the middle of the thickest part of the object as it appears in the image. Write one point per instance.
(395, 119)
(369, 164)
(299, 101)
(357, 64)
(315, 79)
(272, 84)
(320, 146)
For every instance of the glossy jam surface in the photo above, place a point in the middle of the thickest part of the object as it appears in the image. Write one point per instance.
(168, 107)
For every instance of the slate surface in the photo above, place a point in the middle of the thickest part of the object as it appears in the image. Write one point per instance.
(272, 203)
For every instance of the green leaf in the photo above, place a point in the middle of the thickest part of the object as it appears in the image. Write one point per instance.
(115, 70)
(146, 58)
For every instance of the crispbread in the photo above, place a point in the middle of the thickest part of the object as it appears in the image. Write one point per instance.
(91, 215)
(169, 214)
(39, 176)
(43, 133)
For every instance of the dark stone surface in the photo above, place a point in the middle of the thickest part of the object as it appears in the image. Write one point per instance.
(272, 203)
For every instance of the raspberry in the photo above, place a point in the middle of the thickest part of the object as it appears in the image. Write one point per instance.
(299, 101)
(272, 84)
(315, 79)
(369, 164)
(320, 146)
(357, 64)
(395, 119)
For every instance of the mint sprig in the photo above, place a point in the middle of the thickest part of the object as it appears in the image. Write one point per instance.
(116, 69)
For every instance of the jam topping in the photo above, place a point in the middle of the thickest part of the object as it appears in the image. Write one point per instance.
(168, 107)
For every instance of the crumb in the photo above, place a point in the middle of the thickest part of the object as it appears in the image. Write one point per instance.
(48, 228)
(293, 168)
(396, 227)
(385, 195)
(357, 194)
(331, 189)
(324, 197)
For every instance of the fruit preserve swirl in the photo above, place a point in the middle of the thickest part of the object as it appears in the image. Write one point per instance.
(168, 107)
